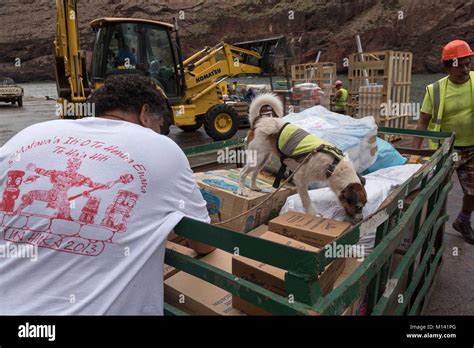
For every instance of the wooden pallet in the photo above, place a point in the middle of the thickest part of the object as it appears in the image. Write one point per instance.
(323, 73)
(377, 82)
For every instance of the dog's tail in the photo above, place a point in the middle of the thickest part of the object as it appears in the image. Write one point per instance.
(261, 100)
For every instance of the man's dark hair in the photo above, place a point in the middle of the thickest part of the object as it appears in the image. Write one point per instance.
(129, 93)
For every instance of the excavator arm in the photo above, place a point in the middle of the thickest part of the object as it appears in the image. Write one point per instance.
(204, 72)
(71, 73)
(207, 68)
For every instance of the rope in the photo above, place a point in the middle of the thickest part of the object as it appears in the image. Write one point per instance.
(271, 195)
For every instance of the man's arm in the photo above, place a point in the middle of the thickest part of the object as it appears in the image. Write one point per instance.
(195, 207)
(184, 193)
(422, 124)
(32, 167)
(424, 120)
(85, 181)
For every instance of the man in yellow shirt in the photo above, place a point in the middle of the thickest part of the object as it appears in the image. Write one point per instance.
(448, 106)
(340, 98)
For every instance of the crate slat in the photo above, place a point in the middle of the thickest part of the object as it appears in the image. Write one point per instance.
(377, 79)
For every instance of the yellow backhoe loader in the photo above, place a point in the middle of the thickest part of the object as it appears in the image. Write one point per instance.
(152, 48)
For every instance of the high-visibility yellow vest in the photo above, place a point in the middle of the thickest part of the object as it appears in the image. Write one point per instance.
(341, 102)
(294, 141)
(437, 93)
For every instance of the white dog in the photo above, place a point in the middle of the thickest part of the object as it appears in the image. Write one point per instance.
(269, 134)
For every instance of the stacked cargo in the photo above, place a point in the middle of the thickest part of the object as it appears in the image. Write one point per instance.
(220, 190)
(304, 96)
(168, 270)
(297, 230)
(198, 297)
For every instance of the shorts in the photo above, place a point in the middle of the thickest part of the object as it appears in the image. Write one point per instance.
(465, 169)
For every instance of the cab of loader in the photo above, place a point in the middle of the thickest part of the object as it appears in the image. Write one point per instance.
(192, 86)
(152, 48)
(137, 46)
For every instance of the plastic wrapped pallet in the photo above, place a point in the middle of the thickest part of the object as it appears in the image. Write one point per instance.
(304, 96)
(355, 137)
(260, 88)
(307, 91)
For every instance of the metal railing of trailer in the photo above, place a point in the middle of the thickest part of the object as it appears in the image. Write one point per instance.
(372, 279)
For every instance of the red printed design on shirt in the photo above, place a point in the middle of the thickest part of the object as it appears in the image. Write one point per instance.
(12, 191)
(43, 216)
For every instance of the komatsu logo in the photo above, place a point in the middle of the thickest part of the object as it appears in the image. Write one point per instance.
(209, 74)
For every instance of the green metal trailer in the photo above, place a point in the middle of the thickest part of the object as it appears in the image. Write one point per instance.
(419, 265)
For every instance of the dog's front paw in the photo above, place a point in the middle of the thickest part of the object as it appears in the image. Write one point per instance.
(242, 192)
(314, 212)
(255, 188)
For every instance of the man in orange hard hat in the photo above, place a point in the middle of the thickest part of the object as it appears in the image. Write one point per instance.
(448, 106)
(340, 98)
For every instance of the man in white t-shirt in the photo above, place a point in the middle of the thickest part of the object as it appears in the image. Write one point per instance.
(95, 199)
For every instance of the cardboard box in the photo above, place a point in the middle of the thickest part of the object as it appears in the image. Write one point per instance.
(357, 306)
(392, 306)
(257, 232)
(173, 237)
(168, 270)
(247, 307)
(407, 237)
(307, 228)
(219, 189)
(273, 278)
(350, 266)
(263, 176)
(198, 297)
(414, 159)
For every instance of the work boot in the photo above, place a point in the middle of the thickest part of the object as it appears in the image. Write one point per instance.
(465, 230)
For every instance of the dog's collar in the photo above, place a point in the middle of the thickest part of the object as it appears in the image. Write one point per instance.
(332, 168)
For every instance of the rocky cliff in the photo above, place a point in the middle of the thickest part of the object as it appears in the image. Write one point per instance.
(27, 27)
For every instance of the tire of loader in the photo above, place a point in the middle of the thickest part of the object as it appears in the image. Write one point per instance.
(20, 102)
(194, 127)
(221, 122)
